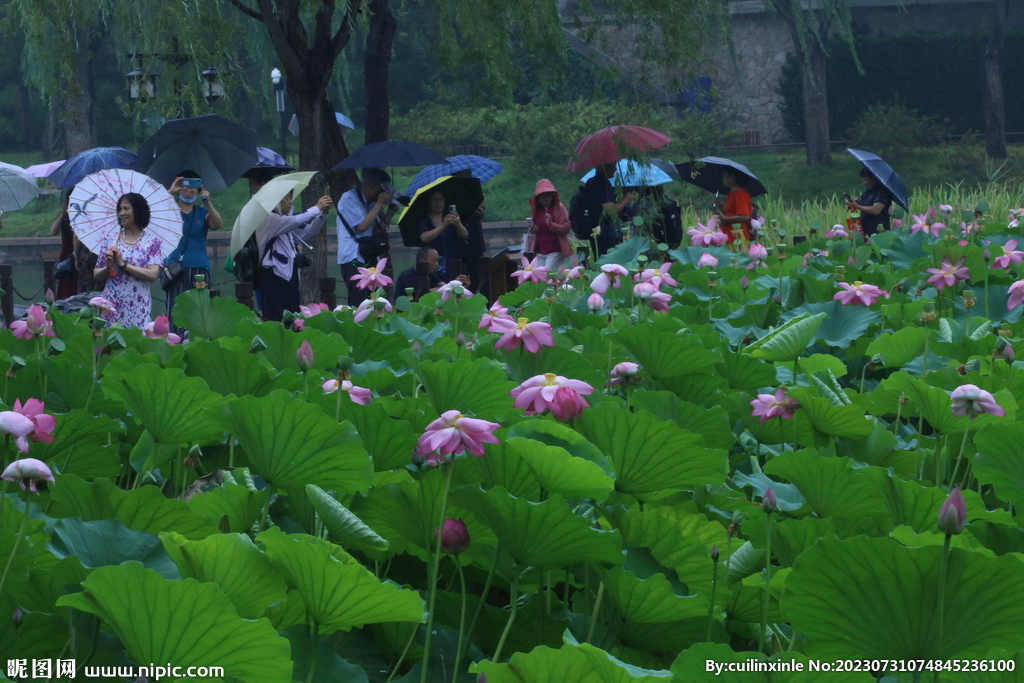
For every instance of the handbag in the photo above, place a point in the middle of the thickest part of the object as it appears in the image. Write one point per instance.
(65, 268)
(371, 246)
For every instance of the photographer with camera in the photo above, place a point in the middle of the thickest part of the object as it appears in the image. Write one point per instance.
(198, 217)
(364, 214)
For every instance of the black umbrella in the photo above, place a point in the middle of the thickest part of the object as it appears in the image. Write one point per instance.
(465, 193)
(708, 175)
(217, 149)
(391, 153)
(885, 175)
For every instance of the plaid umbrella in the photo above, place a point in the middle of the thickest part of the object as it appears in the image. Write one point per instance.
(482, 168)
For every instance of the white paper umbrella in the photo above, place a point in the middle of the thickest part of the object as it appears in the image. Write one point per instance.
(92, 207)
(263, 202)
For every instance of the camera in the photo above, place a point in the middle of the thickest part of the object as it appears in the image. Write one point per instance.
(194, 183)
(393, 191)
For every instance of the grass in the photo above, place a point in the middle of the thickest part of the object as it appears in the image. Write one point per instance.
(797, 192)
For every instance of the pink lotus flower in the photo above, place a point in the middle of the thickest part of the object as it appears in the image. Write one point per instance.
(649, 293)
(623, 373)
(767, 406)
(341, 308)
(35, 323)
(969, 229)
(495, 312)
(454, 433)
(595, 302)
(161, 329)
(359, 395)
(944, 208)
(658, 276)
(836, 231)
(859, 294)
(567, 404)
(372, 277)
(897, 223)
(454, 536)
(299, 324)
(757, 254)
(769, 503)
(707, 235)
(973, 401)
(1012, 221)
(948, 275)
(531, 271)
(609, 277)
(531, 335)
(953, 513)
(369, 306)
(576, 273)
(43, 424)
(28, 472)
(1016, 295)
(313, 309)
(104, 306)
(454, 287)
(304, 356)
(18, 426)
(1009, 255)
(707, 261)
(920, 225)
(537, 394)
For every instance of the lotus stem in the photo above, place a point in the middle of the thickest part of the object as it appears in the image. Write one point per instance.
(514, 596)
(597, 610)
(435, 567)
(462, 622)
(483, 596)
(548, 590)
(312, 639)
(896, 422)
(14, 550)
(714, 588)
(942, 597)
(959, 457)
(766, 597)
(401, 657)
(863, 377)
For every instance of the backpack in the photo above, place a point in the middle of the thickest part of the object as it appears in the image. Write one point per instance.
(247, 263)
(583, 216)
(672, 222)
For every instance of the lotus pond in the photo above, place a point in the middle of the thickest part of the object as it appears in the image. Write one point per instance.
(805, 453)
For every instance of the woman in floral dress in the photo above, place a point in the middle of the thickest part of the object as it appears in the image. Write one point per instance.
(128, 262)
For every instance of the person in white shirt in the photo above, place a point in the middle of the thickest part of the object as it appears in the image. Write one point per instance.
(279, 278)
(362, 211)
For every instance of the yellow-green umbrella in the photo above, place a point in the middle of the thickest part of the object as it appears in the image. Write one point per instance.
(464, 193)
(257, 209)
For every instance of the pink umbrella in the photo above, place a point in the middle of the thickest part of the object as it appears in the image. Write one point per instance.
(614, 143)
(43, 170)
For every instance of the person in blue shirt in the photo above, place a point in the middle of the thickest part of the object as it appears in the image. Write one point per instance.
(601, 197)
(198, 216)
(362, 211)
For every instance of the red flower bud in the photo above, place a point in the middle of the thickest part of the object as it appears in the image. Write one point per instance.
(714, 553)
(454, 537)
(768, 502)
(304, 356)
(953, 513)
(1008, 355)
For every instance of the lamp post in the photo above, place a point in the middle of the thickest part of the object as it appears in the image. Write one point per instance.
(212, 88)
(275, 78)
(141, 85)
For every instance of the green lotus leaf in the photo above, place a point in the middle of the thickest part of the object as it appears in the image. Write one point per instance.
(830, 485)
(345, 528)
(558, 360)
(704, 389)
(291, 445)
(711, 423)
(625, 253)
(791, 537)
(999, 463)
(900, 347)
(227, 371)
(184, 622)
(389, 440)
(745, 603)
(40, 635)
(209, 318)
(556, 471)
(40, 592)
(79, 445)
(544, 534)
(649, 600)
(232, 562)
(650, 455)
(321, 651)
(170, 405)
(505, 467)
(575, 663)
(933, 403)
(282, 344)
(412, 332)
(745, 373)
(338, 595)
(833, 420)
(105, 542)
(998, 538)
(692, 666)
(788, 341)
(871, 598)
(368, 344)
(238, 504)
(556, 434)
(913, 539)
(477, 387)
(815, 364)
(662, 354)
(142, 509)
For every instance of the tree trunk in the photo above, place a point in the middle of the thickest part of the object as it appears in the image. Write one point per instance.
(79, 118)
(995, 107)
(815, 91)
(25, 115)
(376, 66)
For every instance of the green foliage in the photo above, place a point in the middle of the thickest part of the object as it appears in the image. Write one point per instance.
(893, 131)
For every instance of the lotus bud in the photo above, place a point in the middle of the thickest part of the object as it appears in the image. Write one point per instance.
(482, 678)
(714, 553)
(987, 255)
(116, 342)
(16, 616)
(418, 458)
(304, 356)
(454, 536)
(972, 365)
(257, 345)
(851, 261)
(289, 316)
(1008, 354)
(744, 282)
(877, 359)
(777, 299)
(97, 323)
(460, 339)
(768, 502)
(48, 296)
(953, 513)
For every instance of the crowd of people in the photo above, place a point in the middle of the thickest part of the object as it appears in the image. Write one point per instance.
(128, 261)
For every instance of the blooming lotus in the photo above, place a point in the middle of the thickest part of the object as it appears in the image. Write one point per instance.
(17, 425)
(1016, 292)
(531, 271)
(649, 293)
(767, 406)
(948, 275)
(707, 235)
(623, 373)
(342, 307)
(836, 231)
(1009, 255)
(953, 513)
(312, 309)
(973, 401)
(495, 312)
(370, 305)
(454, 536)
(372, 277)
(576, 273)
(609, 278)
(923, 223)
(945, 208)
(103, 306)
(658, 276)
(707, 261)
(757, 254)
(859, 294)
(454, 433)
(34, 324)
(160, 328)
(454, 287)
(969, 229)
(537, 394)
(567, 404)
(1012, 221)
(359, 395)
(43, 424)
(28, 472)
(595, 302)
(531, 335)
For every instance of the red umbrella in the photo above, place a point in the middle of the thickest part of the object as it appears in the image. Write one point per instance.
(613, 144)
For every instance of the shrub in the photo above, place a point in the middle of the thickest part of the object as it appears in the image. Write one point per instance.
(894, 131)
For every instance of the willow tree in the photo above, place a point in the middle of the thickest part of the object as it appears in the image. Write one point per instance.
(995, 105)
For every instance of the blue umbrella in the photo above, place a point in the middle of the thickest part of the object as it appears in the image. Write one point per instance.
(482, 168)
(390, 153)
(885, 175)
(90, 161)
(635, 174)
(343, 121)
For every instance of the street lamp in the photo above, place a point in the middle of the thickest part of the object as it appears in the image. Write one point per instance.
(275, 78)
(213, 89)
(141, 85)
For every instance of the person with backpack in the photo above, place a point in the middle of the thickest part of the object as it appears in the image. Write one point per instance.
(364, 214)
(597, 207)
(549, 224)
